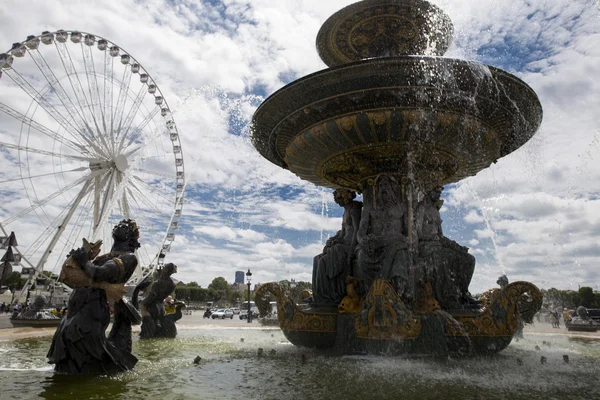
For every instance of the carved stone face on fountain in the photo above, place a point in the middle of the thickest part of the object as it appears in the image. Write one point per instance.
(386, 192)
(343, 196)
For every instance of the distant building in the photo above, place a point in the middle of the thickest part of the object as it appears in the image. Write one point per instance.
(239, 276)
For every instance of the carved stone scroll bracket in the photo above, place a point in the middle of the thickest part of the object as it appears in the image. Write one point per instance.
(290, 316)
(305, 294)
(501, 310)
(383, 315)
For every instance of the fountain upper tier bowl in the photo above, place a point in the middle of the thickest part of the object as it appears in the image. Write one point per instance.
(436, 119)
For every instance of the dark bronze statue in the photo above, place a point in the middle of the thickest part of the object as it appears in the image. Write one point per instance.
(332, 266)
(444, 263)
(80, 345)
(382, 251)
(156, 322)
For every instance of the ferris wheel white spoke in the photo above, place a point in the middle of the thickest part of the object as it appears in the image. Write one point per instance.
(42, 129)
(80, 169)
(108, 94)
(103, 206)
(63, 226)
(47, 199)
(70, 242)
(123, 90)
(46, 153)
(129, 121)
(131, 152)
(67, 62)
(112, 192)
(152, 189)
(136, 131)
(52, 226)
(155, 173)
(82, 100)
(132, 197)
(42, 101)
(96, 106)
(100, 183)
(124, 202)
(108, 209)
(142, 197)
(55, 84)
(125, 125)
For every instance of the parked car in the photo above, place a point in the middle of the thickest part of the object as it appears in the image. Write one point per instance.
(235, 311)
(222, 313)
(244, 314)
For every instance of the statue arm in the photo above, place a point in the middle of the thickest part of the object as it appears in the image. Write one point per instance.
(151, 297)
(111, 271)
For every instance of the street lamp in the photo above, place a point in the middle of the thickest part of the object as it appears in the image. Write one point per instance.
(292, 289)
(248, 277)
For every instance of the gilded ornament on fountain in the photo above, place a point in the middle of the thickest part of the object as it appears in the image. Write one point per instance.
(395, 121)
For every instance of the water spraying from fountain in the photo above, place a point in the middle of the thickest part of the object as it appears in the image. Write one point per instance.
(393, 120)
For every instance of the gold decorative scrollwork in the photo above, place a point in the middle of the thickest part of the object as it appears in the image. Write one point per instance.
(305, 294)
(501, 310)
(384, 315)
(290, 316)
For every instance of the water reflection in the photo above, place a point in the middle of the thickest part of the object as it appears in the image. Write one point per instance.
(231, 369)
(69, 387)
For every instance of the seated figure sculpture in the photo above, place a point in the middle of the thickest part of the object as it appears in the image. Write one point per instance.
(441, 261)
(155, 321)
(382, 251)
(331, 267)
(80, 345)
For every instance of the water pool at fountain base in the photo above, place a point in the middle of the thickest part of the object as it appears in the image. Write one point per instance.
(232, 369)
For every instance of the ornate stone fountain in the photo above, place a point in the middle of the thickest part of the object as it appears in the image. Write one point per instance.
(395, 121)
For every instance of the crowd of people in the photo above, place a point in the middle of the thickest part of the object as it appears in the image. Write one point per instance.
(9, 308)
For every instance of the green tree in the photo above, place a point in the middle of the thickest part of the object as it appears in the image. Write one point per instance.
(219, 284)
(193, 284)
(587, 296)
(15, 280)
(235, 297)
(182, 293)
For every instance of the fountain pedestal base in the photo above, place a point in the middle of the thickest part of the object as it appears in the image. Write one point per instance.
(384, 325)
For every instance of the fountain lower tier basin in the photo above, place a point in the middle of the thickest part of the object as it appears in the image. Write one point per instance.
(442, 119)
(383, 324)
(35, 318)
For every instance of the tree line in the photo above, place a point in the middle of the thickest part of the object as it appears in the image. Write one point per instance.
(221, 291)
(571, 299)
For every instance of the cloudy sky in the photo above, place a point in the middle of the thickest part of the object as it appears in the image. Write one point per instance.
(535, 215)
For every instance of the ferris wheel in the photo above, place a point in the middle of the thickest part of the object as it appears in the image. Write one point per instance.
(86, 139)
